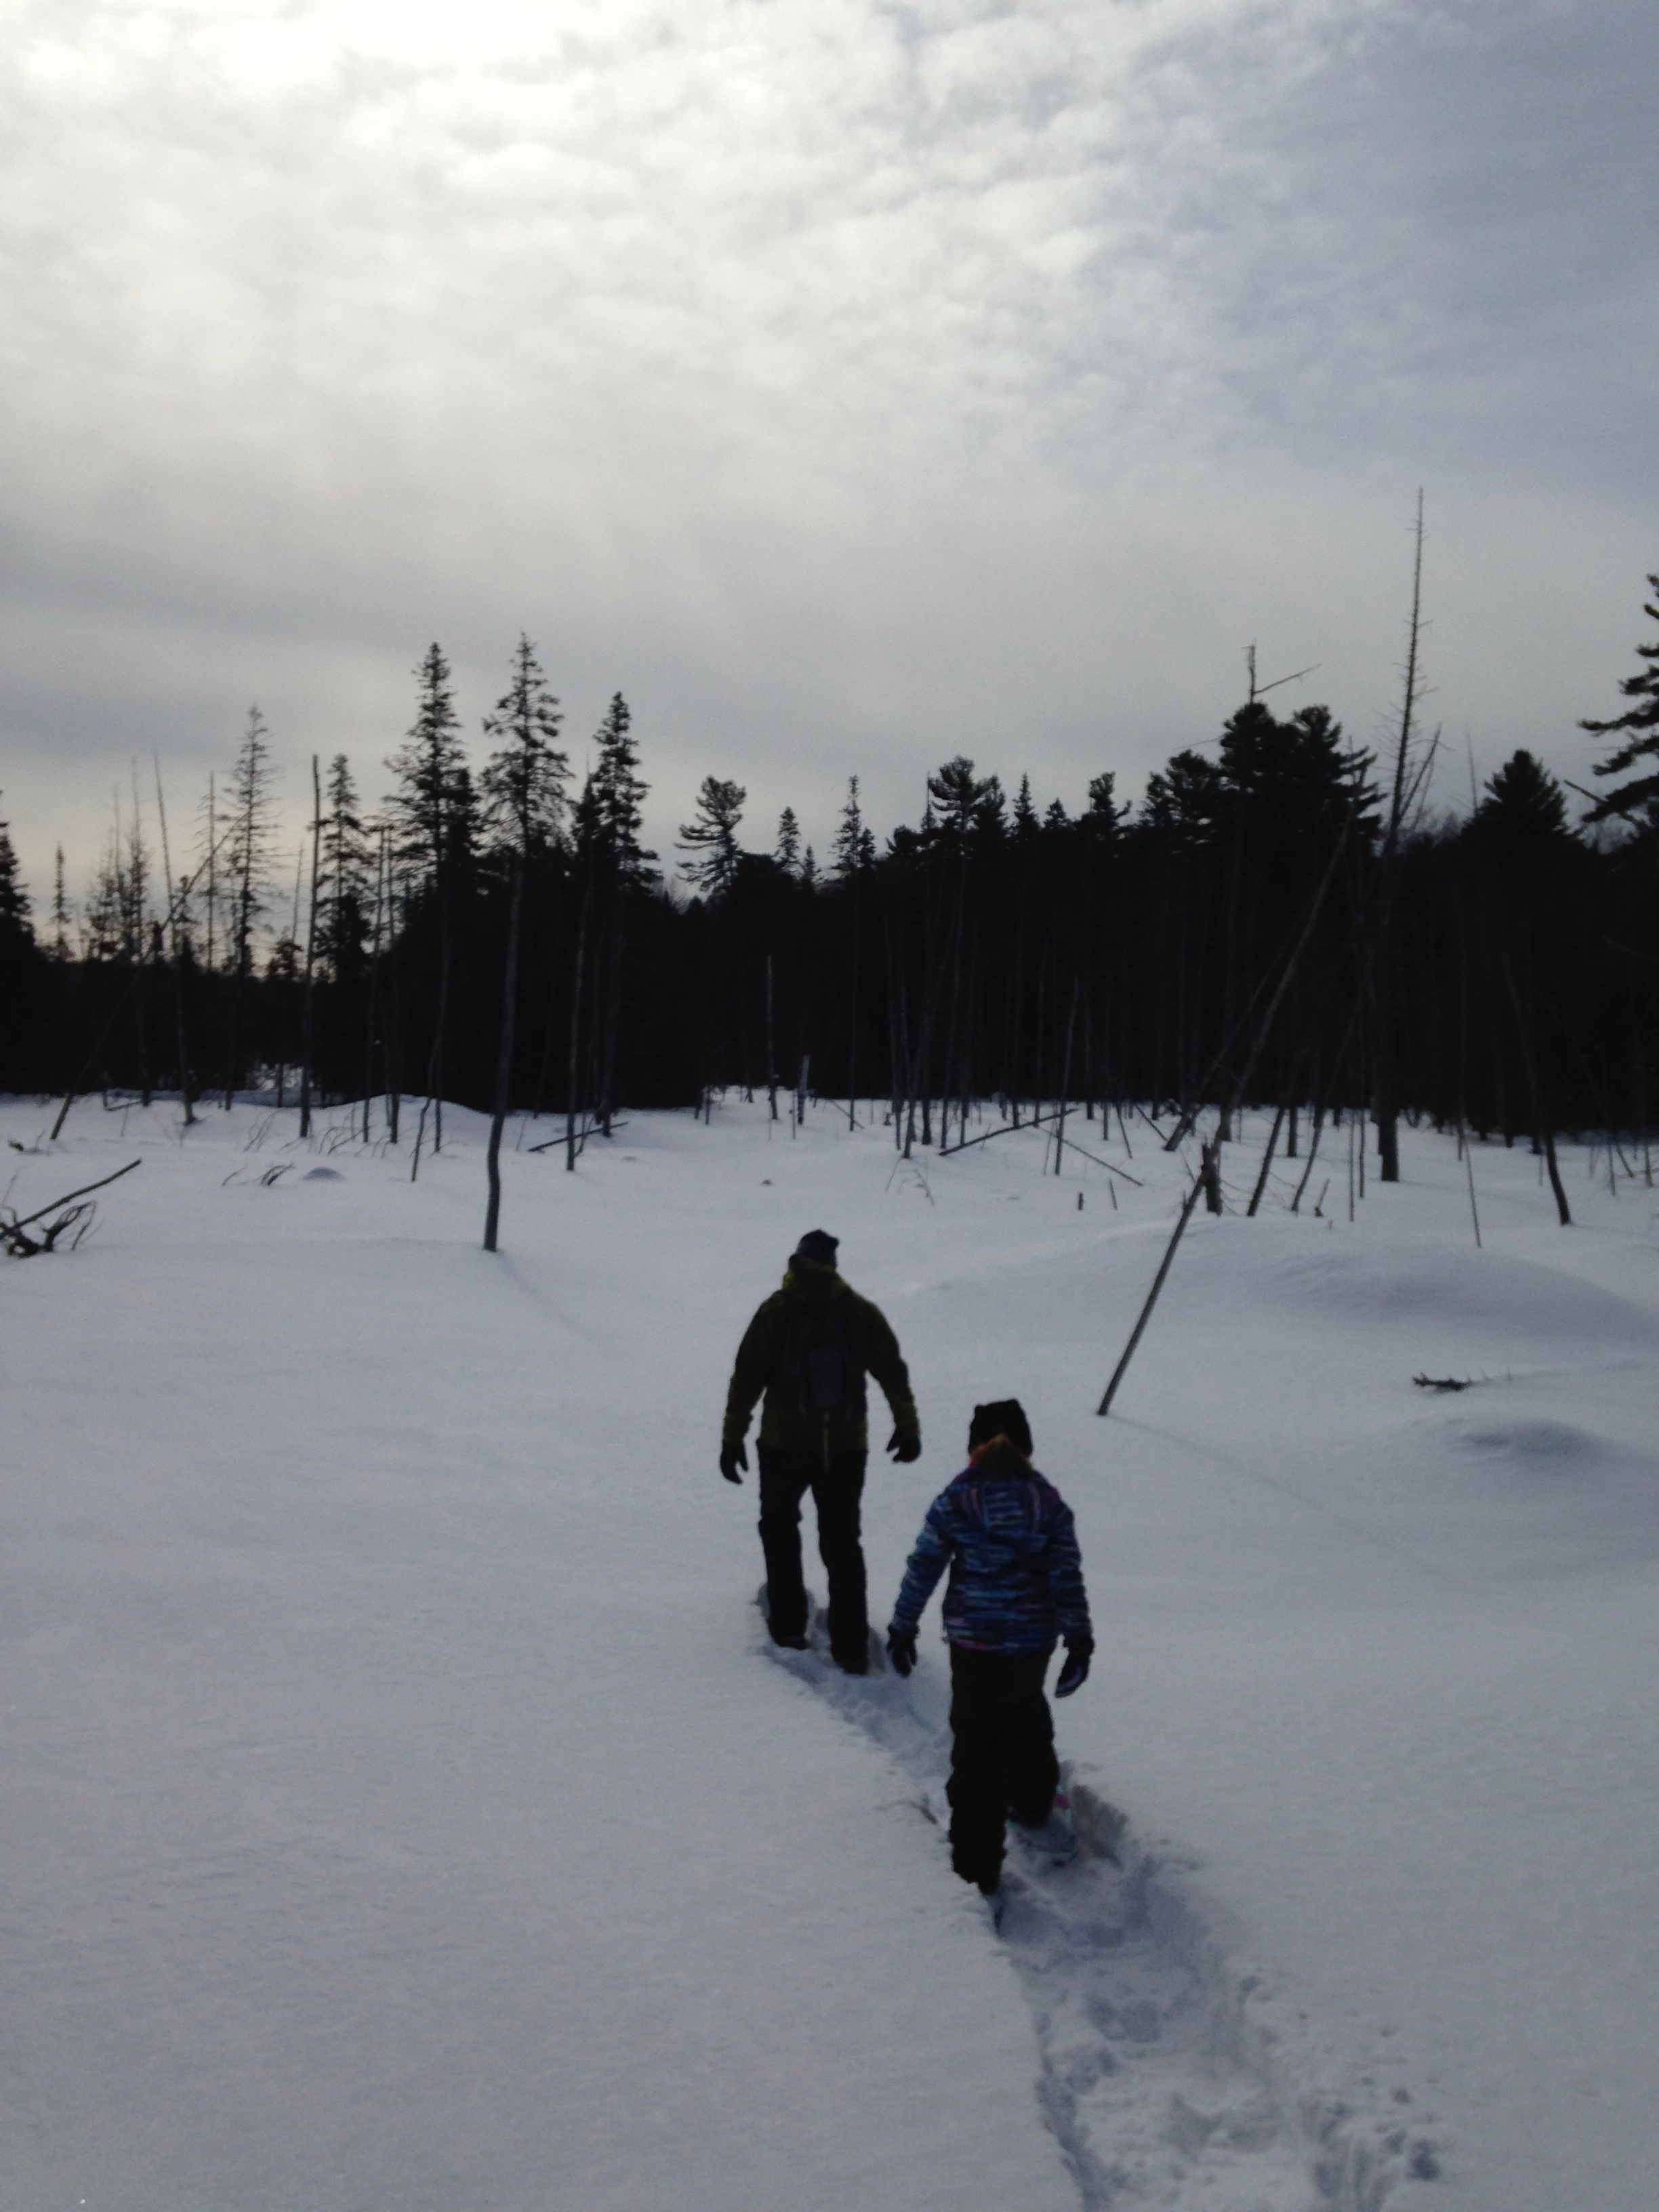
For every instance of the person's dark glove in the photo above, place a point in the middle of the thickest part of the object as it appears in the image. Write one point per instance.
(732, 1456)
(1079, 1651)
(902, 1648)
(904, 1448)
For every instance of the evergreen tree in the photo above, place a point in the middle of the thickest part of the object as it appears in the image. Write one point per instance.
(14, 893)
(1638, 726)
(1524, 801)
(344, 888)
(787, 851)
(713, 836)
(434, 806)
(62, 912)
(524, 787)
(853, 851)
(616, 868)
(524, 778)
(617, 795)
(428, 766)
(247, 861)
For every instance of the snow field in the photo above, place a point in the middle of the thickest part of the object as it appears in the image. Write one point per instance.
(402, 1813)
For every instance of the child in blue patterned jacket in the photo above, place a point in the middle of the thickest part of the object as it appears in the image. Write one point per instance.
(1016, 1588)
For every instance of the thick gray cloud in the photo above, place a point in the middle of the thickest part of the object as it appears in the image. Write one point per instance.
(848, 384)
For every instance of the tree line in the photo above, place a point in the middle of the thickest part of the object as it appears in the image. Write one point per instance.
(1281, 920)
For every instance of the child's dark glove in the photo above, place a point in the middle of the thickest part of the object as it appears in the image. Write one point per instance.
(1079, 1651)
(902, 1648)
(732, 1456)
(904, 1448)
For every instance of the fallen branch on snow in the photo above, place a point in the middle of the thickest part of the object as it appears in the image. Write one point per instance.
(66, 1214)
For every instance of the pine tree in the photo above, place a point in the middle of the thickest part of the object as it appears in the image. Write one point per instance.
(1025, 815)
(618, 867)
(1638, 726)
(854, 850)
(428, 766)
(712, 838)
(14, 893)
(434, 806)
(787, 850)
(62, 913)
(247, 861)
(345, 886)
(1524, 801)
(618, 798)
(524, 785)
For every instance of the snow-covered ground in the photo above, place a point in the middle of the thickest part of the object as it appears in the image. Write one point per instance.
(405, 1812)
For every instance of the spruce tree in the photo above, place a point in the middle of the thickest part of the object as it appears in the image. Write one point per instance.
(14, 893)
(432, 805)
(1639, 727)
(524, 787)
(247, 861)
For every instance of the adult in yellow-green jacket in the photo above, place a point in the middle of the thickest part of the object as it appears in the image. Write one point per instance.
(808, 1349)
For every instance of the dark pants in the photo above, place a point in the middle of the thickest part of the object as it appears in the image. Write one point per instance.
(1002, 1754)
(785, 1479)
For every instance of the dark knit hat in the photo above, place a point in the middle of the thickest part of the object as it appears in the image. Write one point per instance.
(1003, 1417)
(818, 1246)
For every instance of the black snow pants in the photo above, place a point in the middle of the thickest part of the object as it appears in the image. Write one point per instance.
(785, 1479)
(1002, 1754)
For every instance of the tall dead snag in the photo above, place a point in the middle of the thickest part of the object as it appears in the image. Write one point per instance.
(1254, 1208)
(175, 915)
(524, 791)
(308, 1010)
(1409, 775)
(1138, 1331)
(1543, 1131)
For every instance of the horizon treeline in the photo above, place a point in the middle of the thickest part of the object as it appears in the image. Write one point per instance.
(1281, 922)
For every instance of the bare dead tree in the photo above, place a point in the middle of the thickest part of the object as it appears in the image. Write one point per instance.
(308, 1014)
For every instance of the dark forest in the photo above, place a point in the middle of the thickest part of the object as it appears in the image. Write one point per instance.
(1281, 922)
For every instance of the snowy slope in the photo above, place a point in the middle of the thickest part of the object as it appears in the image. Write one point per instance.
(403, 1811)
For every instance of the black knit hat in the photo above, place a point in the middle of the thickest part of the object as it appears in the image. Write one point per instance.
(1003, 1417)
(818, 1246)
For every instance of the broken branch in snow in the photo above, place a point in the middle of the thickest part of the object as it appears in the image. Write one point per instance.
(69, 1197)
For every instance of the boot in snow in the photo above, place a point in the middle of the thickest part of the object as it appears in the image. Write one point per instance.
(1052, 1841)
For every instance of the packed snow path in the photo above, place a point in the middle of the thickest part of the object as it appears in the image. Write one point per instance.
(398, 1812)
(1157, 2084)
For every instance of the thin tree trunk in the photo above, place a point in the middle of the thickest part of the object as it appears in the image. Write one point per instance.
(574, 1072)
(1266, 1162)
(181, 1044)
(308, 1024)
(504, 1059)
(1105, 1405)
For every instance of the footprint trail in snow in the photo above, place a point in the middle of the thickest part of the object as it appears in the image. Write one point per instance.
(1159, 2088)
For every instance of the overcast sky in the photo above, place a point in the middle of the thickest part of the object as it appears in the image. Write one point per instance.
(850, 385)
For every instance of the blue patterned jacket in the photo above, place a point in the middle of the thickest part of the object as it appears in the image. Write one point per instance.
(1009, 1539)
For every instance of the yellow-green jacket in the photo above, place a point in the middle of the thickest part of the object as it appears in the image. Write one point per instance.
(764, 1354)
